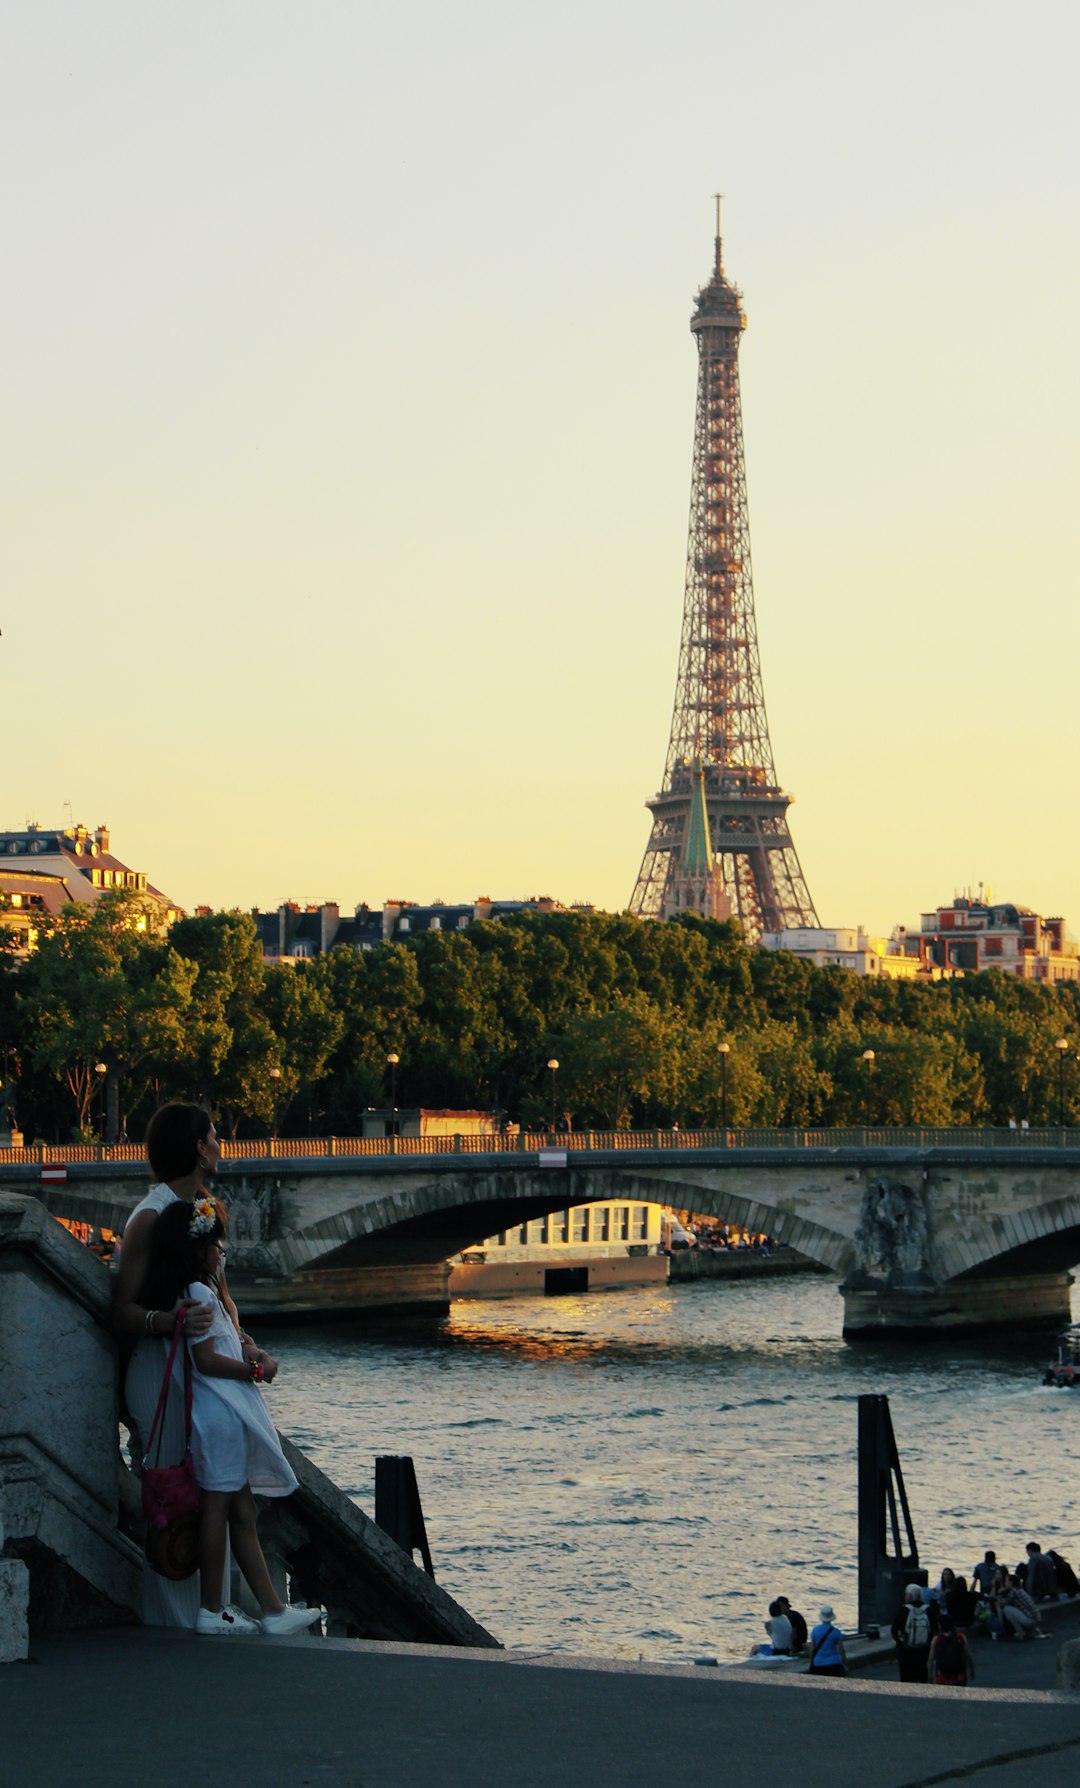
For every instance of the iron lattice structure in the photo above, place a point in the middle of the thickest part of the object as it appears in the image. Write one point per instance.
(719, 741)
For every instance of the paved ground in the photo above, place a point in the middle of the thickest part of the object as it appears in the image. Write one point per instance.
(126, 1708)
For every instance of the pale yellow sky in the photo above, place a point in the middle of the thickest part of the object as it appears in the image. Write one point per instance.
(348, 416)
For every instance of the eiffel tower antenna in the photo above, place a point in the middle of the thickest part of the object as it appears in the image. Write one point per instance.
(719, 743)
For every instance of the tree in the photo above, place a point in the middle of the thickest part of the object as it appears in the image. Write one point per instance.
(614, 1063)
(99, 989)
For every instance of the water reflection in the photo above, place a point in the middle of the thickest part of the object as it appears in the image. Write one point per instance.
(641, 1470)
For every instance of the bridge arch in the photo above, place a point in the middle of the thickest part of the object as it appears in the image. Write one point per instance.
(449, 1212)
(1042, 1238)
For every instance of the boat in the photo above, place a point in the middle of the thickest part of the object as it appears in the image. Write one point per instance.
(584, 1248)
(1065, 1369)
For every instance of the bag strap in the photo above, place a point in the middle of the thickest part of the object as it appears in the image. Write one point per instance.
(163, 1397)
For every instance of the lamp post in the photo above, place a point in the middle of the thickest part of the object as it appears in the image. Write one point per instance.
(725, 1051)
(392, 1061)
(275, 1075)
(1062, 1047)
(101, 1069)
(868, 1058)
(554, 1067)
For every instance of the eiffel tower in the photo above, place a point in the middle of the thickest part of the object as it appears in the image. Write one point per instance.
(720, 843)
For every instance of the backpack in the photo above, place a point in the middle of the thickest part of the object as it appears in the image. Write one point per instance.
(916, 1627)
(1063, 1571)
(949, 1659)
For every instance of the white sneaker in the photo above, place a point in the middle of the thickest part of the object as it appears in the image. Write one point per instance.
(226, 1622)
(290, 1620)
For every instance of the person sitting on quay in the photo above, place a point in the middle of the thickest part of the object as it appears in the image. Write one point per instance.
(827, 1655)
(913, 1633)
(943, 1585)
(1065, 1576)
(960, 1604)
(778, 1627)
(1039, 1577)
(951, 1662)
(1013, 1613)
(799, 1631)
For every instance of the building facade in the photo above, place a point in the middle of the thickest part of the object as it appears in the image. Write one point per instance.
(42, 871)
(295, 933)
(970, 935)
(846, 946)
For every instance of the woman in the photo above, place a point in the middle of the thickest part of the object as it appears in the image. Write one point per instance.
(183, 1152)
(827, 1655)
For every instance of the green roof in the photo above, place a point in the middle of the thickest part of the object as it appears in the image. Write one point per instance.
(697, 857)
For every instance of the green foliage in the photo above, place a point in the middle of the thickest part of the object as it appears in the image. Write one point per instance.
(634, 1012)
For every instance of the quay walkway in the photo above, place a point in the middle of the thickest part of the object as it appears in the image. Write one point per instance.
(124, 1707)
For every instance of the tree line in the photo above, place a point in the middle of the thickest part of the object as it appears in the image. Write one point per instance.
(109, 1016)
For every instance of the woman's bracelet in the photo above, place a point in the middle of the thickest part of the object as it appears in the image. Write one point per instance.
(256, 1371)
(148, 1325)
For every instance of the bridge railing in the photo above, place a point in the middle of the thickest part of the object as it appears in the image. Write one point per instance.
(282, 1148)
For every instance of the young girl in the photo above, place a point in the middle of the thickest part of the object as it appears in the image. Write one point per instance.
(235, 1450)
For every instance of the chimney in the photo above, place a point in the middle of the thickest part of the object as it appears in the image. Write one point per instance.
(102, 838)
(329, 920)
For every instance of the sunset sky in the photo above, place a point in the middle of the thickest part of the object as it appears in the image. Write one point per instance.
(347, 423)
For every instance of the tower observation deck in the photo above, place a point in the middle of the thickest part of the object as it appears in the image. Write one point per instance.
(719, 749)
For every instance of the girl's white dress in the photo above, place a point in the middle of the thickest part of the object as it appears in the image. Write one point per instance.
(233, 1440)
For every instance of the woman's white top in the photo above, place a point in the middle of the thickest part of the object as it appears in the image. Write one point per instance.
(158, 1199)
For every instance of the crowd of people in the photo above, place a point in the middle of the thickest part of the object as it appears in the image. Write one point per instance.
(934, 1626)
(789, 1637)
(721, 1236)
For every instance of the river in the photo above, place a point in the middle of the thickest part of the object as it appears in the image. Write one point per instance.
(636, 1473)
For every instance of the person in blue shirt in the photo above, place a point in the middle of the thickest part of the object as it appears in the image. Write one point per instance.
(827, 1656)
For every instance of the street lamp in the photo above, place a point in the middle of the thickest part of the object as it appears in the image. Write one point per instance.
(275, 1075)
(554, 1067)
(725, 1051)
(868, 1058)
(101, 1069)
(392, 1061)
(1062, 1047)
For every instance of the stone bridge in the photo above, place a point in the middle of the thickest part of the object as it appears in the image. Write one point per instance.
(945, 1236)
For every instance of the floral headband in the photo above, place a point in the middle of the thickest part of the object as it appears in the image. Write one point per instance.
(204, 1217)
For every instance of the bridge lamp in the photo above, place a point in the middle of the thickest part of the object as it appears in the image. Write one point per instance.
(554, 1067)
(275, 1075)
(392, 1061)
(1062, 1047)
(868, 1058)
(101, 1069)
(725, 1051)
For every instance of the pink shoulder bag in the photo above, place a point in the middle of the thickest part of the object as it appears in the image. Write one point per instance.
(169, 1491)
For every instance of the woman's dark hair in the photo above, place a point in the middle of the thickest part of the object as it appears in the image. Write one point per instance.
(173, 1136)
(176, 1257)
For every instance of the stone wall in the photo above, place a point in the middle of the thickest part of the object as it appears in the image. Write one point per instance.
(70, 1525)
(59, 1454)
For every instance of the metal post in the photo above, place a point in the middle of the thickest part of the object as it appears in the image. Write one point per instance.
(882, 1501)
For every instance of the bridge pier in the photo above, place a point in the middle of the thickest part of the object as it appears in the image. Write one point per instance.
(1020, 1301)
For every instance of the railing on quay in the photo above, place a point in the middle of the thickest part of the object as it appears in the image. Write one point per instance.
(293, 1148)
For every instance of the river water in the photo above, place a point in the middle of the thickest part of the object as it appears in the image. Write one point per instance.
(636, 1473)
